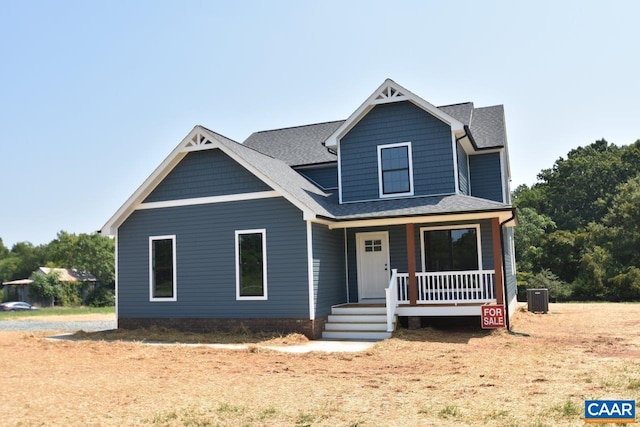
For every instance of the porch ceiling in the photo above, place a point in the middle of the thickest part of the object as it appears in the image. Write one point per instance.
(502, 215)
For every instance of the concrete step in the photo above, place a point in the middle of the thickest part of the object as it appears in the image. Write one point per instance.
(354, 326)
(356, 335)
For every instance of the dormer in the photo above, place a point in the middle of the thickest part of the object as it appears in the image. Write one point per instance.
(396, 145)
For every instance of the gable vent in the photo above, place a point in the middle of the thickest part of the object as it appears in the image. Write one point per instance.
(198, 140)
(389, 93)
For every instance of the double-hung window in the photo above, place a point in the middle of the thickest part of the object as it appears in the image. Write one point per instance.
(251, 264)
(162, 268)
(395, 170)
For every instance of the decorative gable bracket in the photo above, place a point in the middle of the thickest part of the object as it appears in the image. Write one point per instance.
(198, 142)
(389, 91)
(389, 94)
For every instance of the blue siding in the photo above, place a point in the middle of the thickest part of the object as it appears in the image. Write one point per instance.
(206, 173)
(328, 268)
(486, 176)
(324, 176)
(432, 151)
(463, 170)
(398, 249)
(205, 249)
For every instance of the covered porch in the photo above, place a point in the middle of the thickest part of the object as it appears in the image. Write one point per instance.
(448, 265)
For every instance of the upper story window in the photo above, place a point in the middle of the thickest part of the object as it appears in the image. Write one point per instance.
(395, 170)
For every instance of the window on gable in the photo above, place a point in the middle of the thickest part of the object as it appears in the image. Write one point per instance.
(395, 171)
(451, 249)
(251, 264)
(162, 268)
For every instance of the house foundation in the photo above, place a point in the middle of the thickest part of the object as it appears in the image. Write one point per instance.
(312, 329)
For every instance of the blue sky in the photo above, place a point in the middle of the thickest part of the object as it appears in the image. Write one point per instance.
(94, 95)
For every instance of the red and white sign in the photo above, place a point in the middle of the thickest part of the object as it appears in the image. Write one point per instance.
(492, 316)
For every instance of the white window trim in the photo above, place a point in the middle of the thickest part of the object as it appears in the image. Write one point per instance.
(171, 237)
(451, 227)
(410, 159)
(262, 231)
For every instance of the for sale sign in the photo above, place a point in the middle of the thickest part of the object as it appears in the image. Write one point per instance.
(492, 316)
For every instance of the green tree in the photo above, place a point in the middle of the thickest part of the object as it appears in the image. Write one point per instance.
(24, 259)
(623, 221)
(85, 252)
(528, 236)
(4, 251)
(578, 189)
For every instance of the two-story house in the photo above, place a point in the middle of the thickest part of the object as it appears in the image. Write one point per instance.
(331, 229)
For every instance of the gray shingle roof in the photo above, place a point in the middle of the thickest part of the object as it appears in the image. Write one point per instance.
(431, 205)
(488, 128)
(300, 145)
(461, 112)
(303, 145)
(281, 174)
(327, 205)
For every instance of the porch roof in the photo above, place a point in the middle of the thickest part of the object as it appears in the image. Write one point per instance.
(451, 207)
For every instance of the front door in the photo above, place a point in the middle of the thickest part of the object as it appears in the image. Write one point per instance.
(373, 264)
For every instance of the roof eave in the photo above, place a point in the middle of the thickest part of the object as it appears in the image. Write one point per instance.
(111, 227)
(503, 214)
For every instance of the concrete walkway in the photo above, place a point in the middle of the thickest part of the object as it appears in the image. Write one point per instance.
(317, 346)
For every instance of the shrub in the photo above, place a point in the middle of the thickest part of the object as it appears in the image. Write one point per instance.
(558, 289)
(44, 287)
(68, 294)
(101, 296)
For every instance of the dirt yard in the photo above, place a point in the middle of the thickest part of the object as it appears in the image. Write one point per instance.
(419, 378)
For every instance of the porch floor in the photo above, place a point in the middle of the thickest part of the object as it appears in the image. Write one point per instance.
(427, 310)
(382, 304)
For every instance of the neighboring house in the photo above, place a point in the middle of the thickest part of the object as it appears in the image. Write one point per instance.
(403, 209)
(18, 290)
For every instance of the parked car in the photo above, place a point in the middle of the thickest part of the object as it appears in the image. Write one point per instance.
(16, 305)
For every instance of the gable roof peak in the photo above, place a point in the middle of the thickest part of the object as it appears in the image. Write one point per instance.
(388, 92)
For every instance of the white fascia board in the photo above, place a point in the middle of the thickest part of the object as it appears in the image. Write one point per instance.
(147, 186)
(209, 200)
(372, 101)
(172, 160)
(502, 215)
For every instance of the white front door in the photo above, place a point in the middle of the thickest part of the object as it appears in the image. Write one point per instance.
(373, 264)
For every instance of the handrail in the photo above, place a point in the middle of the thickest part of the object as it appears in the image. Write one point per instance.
(444, 287)
(391, 296)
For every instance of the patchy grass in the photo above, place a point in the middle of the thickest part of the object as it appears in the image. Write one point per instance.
(444, 377)
(56, 311)
(167, 335)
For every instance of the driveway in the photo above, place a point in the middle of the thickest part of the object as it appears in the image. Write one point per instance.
(56, 326)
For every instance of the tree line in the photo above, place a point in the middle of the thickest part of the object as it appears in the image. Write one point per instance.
(93, 253)
(579, 225)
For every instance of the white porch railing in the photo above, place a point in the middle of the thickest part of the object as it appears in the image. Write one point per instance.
(447, 287)
(391, 296)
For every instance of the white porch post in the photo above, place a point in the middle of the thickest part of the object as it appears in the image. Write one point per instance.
(312, 308)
